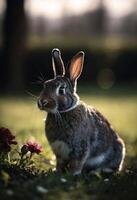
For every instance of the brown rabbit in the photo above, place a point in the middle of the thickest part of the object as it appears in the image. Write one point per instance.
(80, 136)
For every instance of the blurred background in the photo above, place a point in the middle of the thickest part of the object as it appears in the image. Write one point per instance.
(105, 29)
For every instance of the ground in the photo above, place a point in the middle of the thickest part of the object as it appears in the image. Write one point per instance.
(21, 116)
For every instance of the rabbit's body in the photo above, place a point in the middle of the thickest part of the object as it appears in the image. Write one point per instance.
(83, 137)
(80, 136)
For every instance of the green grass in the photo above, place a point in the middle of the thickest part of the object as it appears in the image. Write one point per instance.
(22, 117)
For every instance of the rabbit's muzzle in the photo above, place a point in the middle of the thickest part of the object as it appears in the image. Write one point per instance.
(46, 104)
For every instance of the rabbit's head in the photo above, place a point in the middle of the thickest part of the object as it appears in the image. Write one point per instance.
(59, 93)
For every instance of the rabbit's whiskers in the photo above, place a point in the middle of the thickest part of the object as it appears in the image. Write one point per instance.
(41, 78)
(32, 95)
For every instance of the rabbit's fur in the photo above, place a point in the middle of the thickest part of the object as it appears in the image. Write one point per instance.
(80, 136)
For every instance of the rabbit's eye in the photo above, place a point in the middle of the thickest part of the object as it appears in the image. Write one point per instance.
(62, 90)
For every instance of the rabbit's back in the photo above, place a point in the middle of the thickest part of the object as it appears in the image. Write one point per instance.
(107, 148)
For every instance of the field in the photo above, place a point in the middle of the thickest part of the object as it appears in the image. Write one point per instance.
(22, 117)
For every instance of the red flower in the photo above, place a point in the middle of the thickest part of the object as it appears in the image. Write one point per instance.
(6, 140)
(33, 147)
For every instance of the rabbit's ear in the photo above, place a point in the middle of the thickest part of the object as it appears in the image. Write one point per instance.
(76, 65)
(57, 63)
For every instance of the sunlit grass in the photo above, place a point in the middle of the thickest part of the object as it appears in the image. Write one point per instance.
(24, 119)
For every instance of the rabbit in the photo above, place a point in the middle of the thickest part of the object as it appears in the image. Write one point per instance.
(80, 136)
